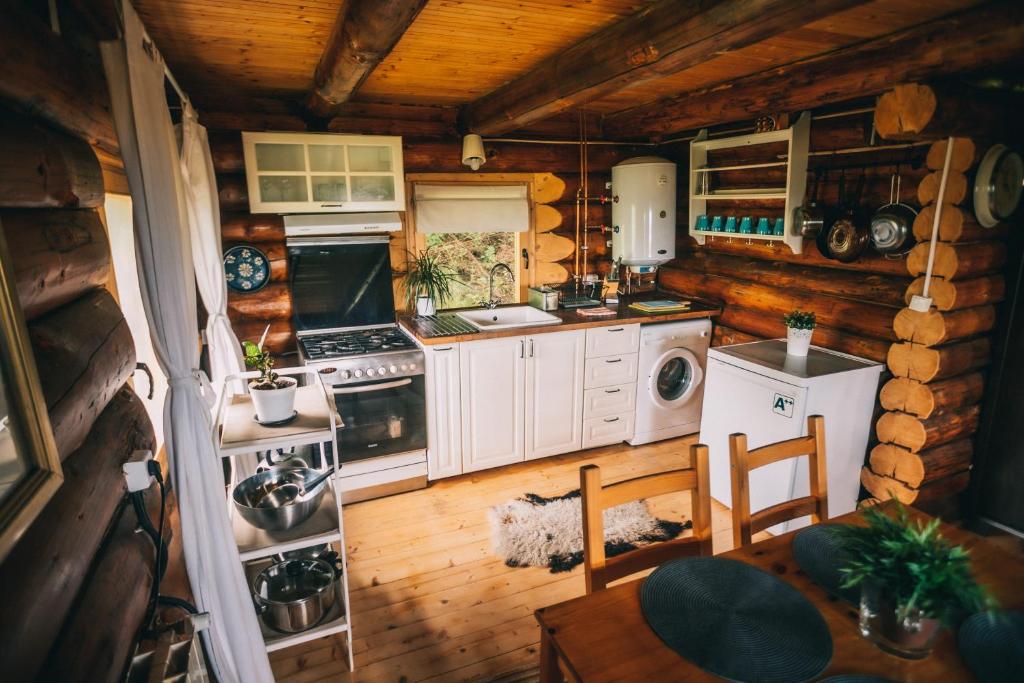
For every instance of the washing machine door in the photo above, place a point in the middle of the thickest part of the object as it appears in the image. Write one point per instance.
(675, 378)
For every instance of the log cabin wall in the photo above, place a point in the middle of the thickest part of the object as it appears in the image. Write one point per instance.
(556, 169)
(929, 402)
(76, 585)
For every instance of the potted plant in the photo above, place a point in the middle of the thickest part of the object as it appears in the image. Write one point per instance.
(427, 283)
(912, 580)
(273, 397)
(799, 328)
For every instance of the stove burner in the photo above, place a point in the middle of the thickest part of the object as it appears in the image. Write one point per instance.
(354, 343)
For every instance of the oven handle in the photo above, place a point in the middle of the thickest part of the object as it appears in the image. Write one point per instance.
(373, 387)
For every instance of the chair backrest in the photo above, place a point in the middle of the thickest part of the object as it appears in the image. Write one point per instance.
(597, 497)
(745, 524)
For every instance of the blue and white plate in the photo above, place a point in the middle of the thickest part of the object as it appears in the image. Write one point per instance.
(246, 268)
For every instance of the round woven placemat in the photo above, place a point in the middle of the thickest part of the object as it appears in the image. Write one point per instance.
(736, 621)
(993, 646)
(819, 554)
(855, 678)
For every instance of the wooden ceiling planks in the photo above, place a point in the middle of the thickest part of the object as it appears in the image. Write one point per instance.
(845, 28)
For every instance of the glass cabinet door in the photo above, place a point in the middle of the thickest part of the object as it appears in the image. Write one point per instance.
(373, 188)
(329, 188)
(283, 188)
(327, 158)
(369, 158)
(273, 156)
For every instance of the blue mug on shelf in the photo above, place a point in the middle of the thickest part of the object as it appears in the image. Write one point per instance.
(702, 222)
(746, 225)
(730, 224)
(780, 227)
(716, 224)
(762, 226)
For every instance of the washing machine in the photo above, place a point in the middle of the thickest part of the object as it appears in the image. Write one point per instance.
(670, 379)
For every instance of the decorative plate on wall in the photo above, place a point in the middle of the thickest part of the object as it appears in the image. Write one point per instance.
(246, 268)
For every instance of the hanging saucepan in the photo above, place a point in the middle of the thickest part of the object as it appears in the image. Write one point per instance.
(809, 217)
(829, 215)
(892, 226)
(848, 236)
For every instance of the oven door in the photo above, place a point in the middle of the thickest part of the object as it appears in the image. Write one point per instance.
(381, 418)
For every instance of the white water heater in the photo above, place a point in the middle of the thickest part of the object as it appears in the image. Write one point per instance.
(644, 212)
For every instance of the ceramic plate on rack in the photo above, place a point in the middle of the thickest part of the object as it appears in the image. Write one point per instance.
(246, 268)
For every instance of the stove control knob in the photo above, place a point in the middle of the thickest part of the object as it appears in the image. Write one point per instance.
(412, 366)
(392, 369)
(345, 374)
(405, 367)
(382, 371)
(358, 373)
(370, 372)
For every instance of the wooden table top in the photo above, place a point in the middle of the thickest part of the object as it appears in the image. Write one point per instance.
(604, 636)
(572, 320)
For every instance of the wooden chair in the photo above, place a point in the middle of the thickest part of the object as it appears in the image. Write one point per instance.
(597, 497)
(744, 524)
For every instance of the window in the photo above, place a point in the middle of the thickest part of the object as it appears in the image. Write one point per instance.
(471, 255)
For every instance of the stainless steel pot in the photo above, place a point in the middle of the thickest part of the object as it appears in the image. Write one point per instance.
(892, 226)
(295, 595)
(809, 218)
(248, 493)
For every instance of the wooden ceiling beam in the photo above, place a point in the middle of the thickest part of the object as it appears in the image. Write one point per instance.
(363, 35)
(663, 38)
(974, 39)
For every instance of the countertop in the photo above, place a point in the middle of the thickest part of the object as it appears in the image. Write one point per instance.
(571, 320)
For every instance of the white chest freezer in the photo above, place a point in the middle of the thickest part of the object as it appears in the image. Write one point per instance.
(757, 389)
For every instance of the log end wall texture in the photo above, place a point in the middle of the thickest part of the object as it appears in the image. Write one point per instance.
(76, 585)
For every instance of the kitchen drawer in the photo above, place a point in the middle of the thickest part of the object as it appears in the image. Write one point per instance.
(613, 340)
(609, 371)
(609, 400)
(602, 431)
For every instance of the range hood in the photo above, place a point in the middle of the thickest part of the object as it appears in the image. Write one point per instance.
(319, 224)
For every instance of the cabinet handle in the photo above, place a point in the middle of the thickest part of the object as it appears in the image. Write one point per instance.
(521, 345)
(616, 360)
(612, 391)
(617, 329)
(531, 348)
(446, 348)
(330, 205)
(611, 419)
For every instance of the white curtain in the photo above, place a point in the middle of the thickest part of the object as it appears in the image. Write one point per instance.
(135, 74)
(204, 230)
(470, 207)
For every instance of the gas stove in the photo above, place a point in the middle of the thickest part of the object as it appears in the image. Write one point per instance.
(361, 355)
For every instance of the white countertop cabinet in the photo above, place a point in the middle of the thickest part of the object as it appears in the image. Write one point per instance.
(554, 393)
(493, 375)
(444, 411)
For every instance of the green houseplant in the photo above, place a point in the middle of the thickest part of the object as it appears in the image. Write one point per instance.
(912, 580)
(427, 283)
(273, 396)
(799, 328)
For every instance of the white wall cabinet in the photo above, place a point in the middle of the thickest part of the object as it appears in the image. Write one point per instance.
(554, 393)
(444, 411)
(323, 172)
(493, 402)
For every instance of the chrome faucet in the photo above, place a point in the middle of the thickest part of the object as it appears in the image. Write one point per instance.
(491, 301)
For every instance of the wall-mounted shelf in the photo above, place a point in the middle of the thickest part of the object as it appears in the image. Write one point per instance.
(797, 138)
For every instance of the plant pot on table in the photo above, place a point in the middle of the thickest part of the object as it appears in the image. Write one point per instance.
(798, 341)
(425, 305)
(274, 404)
(905, 633)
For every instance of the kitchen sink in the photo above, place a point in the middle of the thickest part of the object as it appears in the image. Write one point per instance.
(504, 318)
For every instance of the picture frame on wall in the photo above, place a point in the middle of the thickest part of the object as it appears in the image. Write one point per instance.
(30, 468)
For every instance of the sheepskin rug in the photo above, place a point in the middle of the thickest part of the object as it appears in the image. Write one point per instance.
(534, 531)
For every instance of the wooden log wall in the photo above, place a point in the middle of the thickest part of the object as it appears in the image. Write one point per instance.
(76, 584)
(932, 403)
(557, 178)
(936, 359)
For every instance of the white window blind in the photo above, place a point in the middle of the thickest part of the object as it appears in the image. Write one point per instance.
(471, 208)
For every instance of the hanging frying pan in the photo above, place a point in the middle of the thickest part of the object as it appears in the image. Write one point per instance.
(821, 239)
(848, 237)
(892, 226)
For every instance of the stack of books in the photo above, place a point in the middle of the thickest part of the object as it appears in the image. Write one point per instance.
(595, 312)
(660, 306)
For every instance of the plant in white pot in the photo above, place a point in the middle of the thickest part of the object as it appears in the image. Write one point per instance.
(427, 283)
(799, 328)
(912, 580)
(273, 397)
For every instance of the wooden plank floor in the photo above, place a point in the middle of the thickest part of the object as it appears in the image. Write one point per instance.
(430, 600)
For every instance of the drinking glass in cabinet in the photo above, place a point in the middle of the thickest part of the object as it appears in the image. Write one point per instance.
(327, 158)
(373, 188)
(369, 158)
(283, 188)
(329, 188)
(280, 157)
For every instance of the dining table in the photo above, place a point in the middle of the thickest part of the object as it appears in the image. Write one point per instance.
(604, 636)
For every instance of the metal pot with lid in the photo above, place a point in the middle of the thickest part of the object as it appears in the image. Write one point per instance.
(848, 236)
(892, 226)
(295, 595)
